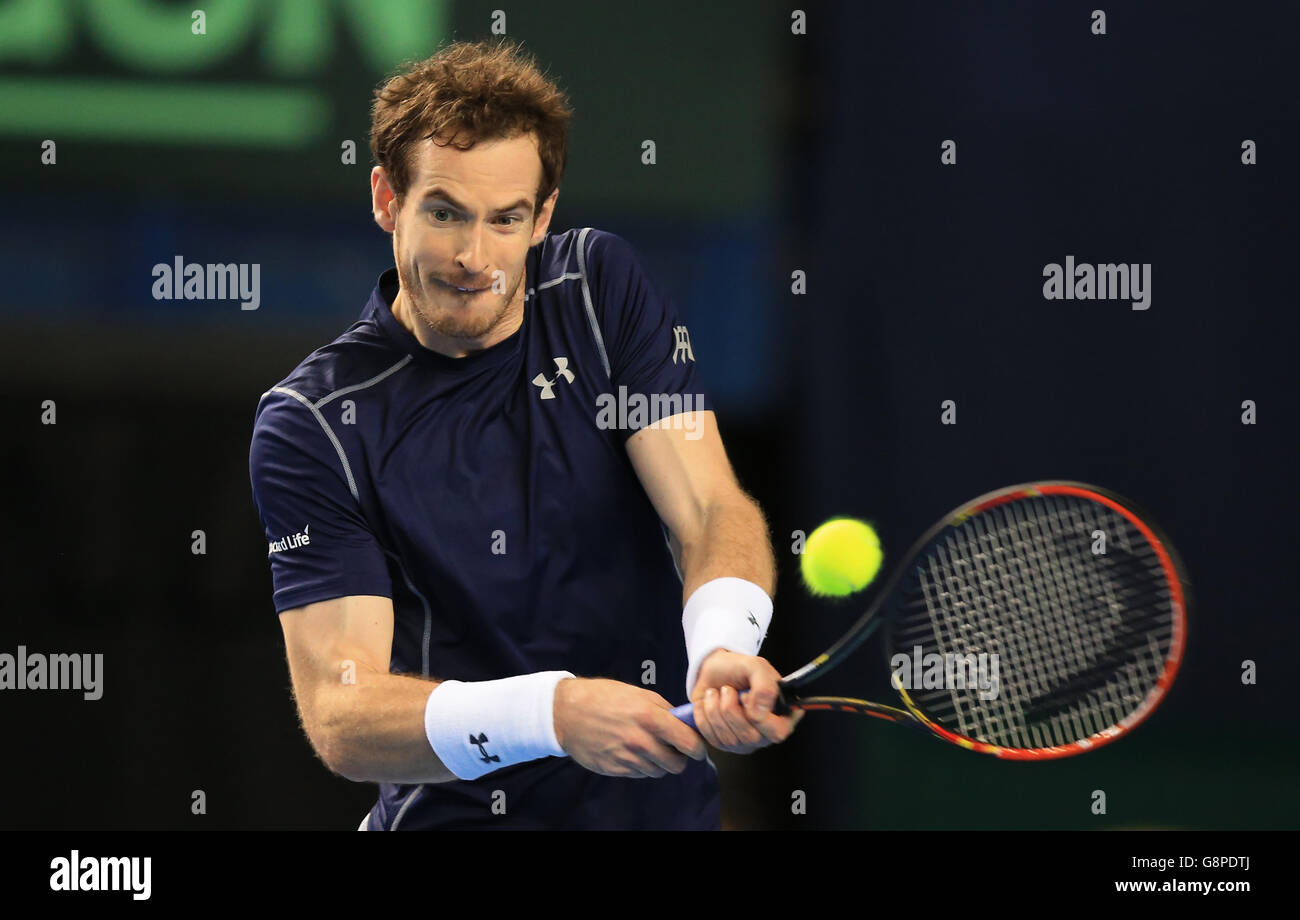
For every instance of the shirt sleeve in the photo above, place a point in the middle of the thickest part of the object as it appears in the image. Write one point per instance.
(647, 343)
(318, 541)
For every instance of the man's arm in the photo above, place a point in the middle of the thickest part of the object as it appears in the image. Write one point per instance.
(720, 529)
(365, 723)
(684, 469)
(368, 724)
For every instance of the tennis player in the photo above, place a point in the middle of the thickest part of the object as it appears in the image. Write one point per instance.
(503, 533)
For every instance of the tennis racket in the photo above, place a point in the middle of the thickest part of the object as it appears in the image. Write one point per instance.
(1075, 605)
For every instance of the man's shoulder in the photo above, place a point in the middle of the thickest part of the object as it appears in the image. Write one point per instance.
(602, 272)
(355, 361)
(578, 249)
(584, 252)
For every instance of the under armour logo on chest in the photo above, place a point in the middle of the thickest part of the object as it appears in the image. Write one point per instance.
(548, 386)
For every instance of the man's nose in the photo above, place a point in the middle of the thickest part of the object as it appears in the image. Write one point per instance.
(471, 253)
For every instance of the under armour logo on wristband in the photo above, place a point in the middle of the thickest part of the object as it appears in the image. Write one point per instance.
(480, 741)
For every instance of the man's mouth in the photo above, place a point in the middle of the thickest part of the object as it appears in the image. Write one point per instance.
(460, 290)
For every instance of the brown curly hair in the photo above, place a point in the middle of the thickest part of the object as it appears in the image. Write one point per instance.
(476, 91)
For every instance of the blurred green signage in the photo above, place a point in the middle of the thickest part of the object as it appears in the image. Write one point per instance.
(229, 72)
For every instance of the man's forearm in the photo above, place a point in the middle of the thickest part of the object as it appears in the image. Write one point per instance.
(733, 542)
(373, 730)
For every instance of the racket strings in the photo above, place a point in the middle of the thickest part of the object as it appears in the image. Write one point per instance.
(1072, 719)
(1065, 642)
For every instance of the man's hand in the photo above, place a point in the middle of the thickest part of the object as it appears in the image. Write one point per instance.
(729, 724)
(616, 729)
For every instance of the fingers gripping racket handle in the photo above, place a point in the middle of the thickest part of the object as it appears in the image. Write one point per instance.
(686, 712)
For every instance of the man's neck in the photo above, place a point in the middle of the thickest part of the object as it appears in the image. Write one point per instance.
(448, 345)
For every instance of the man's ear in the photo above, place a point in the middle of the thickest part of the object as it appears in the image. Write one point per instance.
(544, 216)
(383, 201)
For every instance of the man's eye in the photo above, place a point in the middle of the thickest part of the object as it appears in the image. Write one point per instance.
(508, 217)
(436, 211)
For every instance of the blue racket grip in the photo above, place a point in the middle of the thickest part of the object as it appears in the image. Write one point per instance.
(686, 711)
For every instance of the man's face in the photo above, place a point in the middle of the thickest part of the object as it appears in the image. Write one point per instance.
(466, 221)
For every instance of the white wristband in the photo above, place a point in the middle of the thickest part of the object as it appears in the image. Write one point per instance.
(480, 726)
(729, 613)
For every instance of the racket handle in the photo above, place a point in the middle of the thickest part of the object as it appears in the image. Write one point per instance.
(686, 711)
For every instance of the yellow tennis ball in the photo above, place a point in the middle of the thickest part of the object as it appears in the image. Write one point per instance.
(840, 557)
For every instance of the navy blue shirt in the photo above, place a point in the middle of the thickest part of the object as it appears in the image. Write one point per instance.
(490, 497)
